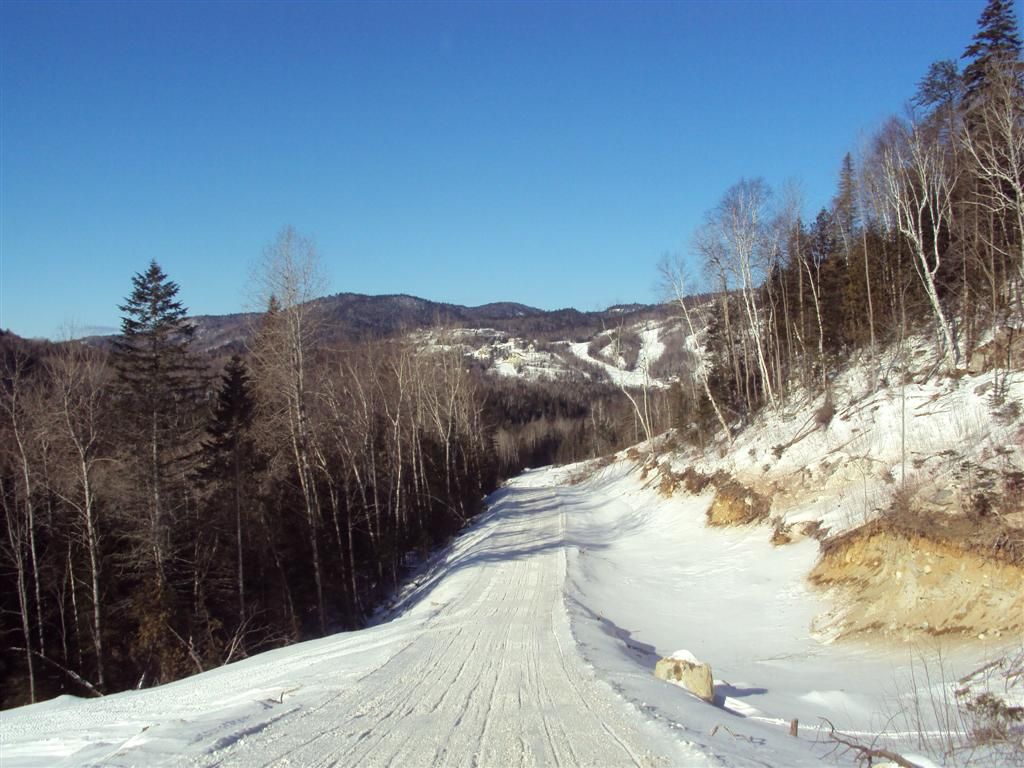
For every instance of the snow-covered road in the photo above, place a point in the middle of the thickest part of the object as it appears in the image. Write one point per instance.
(480, 668)
(530, 641)
(491, 678)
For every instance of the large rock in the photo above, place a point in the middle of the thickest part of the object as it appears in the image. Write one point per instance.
(681, 668)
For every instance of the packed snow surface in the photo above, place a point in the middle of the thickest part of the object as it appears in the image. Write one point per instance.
(531, 641)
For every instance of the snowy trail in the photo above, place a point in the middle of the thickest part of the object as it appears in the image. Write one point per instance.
(491, 679)
(481, 669)
(530, 641)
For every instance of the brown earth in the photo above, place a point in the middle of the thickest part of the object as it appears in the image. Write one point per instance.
(736, 504)
(910, 581)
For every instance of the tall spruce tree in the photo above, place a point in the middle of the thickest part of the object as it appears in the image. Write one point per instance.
(844, 206)
(229, 460)
(996, 44)
(161, 385)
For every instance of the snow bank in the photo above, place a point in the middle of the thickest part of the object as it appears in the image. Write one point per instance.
(648, 576)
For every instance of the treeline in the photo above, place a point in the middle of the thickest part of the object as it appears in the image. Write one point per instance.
(158, 521)
(924, 235)
(165, 512)
(560, 422)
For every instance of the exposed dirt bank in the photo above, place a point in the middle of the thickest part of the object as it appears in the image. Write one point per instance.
(907, 582)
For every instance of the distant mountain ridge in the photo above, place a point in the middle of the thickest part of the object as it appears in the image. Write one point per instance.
(353, 316)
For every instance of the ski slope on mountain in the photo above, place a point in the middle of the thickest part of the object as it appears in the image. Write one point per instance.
(651, 348)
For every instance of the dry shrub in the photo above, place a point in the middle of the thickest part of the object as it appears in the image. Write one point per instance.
(736, 504)
(973, 720)
(695, 482)
(590, 468)
(786, 533)
(824, 415)
(781, 534)
(1013, 492)
(985, 535)
(669, 482)
(992, 720)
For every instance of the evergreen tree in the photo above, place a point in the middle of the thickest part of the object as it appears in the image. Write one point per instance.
(940, 95)
(996, 44)
(232, 414)
(941, 86)
(844, 206)
(229, 460)
(160, 389)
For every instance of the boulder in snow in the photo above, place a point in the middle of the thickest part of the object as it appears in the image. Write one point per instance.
(682, 668)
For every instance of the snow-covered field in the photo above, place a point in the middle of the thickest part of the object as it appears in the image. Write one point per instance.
(647, 570)
(532, 641)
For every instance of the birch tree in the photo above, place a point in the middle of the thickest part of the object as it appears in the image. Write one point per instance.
(81, 379)
(288, 278)
(920, 182)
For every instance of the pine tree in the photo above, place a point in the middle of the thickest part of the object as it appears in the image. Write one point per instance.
(996, 44)
(229, 459)
(160, 388)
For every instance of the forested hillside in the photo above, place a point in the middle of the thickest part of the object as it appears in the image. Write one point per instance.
(924, 235)
(170, 506)
(182, 497)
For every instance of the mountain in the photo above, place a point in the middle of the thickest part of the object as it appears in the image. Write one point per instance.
(349, 316)
(359, 314)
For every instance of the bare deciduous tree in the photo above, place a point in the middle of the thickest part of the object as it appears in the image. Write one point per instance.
(673, 277)
(920, 180)
(289, 277)
(81, 380)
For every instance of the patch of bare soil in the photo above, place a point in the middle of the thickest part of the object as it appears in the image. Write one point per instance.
(736, 504)
(924, 575)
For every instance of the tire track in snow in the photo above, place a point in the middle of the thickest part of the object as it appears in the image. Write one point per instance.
(490, 679)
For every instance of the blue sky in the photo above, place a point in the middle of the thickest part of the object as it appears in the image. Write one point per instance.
(546, 153)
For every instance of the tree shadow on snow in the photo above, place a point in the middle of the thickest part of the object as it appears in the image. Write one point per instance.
(502, 545)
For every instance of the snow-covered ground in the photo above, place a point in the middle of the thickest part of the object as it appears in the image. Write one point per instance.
(532, 641)
(947, 437)
(651, 348)
(647, 571)
(515, 357)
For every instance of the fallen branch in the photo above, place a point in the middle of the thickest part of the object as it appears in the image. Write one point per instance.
(70, 673)
(741, 736)
(188, 647)
(979, 670)
(864, 752)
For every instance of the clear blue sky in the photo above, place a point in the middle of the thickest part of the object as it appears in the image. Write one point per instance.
(546, 153)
